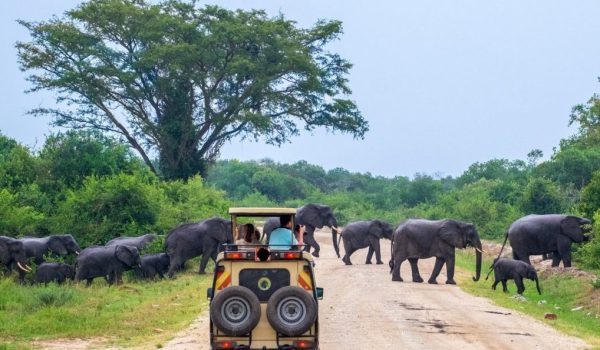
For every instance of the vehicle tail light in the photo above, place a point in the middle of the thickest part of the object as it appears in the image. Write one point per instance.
(239, 255)
(303, 344)
(227, 344)
(291, 255)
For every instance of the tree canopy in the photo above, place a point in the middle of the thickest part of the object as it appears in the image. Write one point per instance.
(179, 81)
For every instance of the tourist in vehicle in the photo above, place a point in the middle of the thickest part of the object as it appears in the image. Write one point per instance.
(282, 239)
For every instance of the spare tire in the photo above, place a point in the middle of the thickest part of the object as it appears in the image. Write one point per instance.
(235, 310)
(291, 311)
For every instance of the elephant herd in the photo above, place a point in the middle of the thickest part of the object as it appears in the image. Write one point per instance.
(416, 239)
(411, 240)
(121, 254)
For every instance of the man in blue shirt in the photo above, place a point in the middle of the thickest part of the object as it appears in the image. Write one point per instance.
(282, 238)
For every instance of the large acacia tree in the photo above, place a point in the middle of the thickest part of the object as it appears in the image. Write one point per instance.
(178, 80)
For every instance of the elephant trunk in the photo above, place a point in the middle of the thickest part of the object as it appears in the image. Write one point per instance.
(336, 246)
(537, 285)
(478, 253)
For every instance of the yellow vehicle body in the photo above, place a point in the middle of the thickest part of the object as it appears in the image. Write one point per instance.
(268, 274)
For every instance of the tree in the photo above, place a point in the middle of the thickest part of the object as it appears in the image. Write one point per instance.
(541, 196)
(179, 80)
(69, 157)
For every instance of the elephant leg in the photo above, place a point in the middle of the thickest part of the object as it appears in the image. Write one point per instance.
(204, 262)
(450, 270)
(349, 251)
(437, 268)
(415, 270)
(564, 250)
(377, 253)
(520, 285)
(396, 269)
(309, 239)
(504, 288)
(174, 265)
(495, 284)
(88, 282)
(555, 259)
(369, 255)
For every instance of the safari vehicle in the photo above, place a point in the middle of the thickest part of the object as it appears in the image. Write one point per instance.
(263, 297)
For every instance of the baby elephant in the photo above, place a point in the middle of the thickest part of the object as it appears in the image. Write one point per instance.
(57, 272)
(509, 269)
(153, 264)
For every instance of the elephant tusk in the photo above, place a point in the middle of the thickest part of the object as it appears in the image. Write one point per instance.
(480, 250)
(26, 269)
(335, 228)
(77, 252)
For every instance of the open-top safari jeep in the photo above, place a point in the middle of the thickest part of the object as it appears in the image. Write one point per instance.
(263, 297)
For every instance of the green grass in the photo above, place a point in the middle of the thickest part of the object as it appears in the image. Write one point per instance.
(134, 313)
(561, 294)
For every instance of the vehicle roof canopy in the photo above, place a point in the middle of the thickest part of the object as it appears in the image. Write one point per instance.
(262, 211)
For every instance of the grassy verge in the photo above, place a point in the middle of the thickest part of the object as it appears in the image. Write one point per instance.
(134, 313)
(561, 294)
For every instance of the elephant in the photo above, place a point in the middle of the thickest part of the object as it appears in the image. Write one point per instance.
(314, 216)
(12, 252)
(153, 264)
(549, 233)
(509, 269)
(54, 272)
(416, 239)
(139, 242)
(194, 239)
(37, 247)
(108, 262)
(362, 234)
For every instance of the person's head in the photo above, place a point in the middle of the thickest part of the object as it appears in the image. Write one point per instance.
(249, 231)
(285, 221)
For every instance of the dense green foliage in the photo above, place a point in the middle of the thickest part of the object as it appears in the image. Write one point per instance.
(91, 186)
(188, 78)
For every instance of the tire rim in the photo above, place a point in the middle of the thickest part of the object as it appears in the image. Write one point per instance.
(235, 310)
(291, 311)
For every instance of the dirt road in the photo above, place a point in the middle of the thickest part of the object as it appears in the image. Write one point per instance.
(363, 309)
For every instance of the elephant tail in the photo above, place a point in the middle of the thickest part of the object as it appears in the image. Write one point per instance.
(498, 257)
(391, 263)
(491, 268)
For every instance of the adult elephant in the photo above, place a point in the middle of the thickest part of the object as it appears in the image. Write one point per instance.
(314, 216)
(108, 262)
(191, 240)
(37, 247)
(416, 239)
(139, 242)
(550, 233)
(13, 252)
(362, 234)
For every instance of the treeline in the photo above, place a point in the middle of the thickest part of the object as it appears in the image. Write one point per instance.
(93, 187)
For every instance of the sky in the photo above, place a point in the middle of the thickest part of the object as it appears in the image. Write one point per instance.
(443, 84)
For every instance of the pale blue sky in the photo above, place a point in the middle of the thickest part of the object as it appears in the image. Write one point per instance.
(442, 83)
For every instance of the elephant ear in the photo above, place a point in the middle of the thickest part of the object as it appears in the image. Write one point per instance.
(310, 215)
(56, 245)
(376, 228)
(125, 255)
(453, 234)
(4, 253)
(569, 226)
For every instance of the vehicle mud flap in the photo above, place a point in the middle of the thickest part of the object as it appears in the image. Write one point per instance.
(235, 311)
(291, 311)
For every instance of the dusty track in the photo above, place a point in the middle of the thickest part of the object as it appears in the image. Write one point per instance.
(363, 309)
